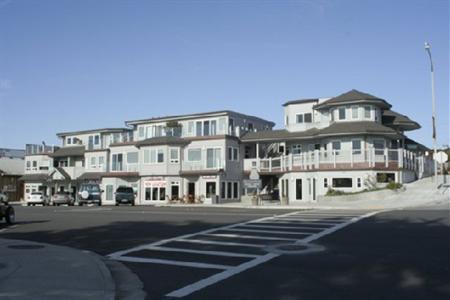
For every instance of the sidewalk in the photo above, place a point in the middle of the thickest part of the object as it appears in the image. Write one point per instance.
(30, 270)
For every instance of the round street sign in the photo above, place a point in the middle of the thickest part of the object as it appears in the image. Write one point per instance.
(441, 157)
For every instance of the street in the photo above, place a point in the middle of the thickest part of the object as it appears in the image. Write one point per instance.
(228, 253)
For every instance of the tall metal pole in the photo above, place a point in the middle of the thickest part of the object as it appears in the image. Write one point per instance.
(433, 101)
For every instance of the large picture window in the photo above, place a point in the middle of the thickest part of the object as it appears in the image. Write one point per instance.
(117, 162)
(342, 182)
(153, 156)
(194, 154)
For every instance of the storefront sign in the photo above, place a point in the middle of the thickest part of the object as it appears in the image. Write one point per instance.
(252, 183)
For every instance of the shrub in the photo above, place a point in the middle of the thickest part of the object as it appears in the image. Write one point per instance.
(332, 192)
(392, 185)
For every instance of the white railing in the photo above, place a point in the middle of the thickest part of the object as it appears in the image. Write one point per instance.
(337, 159)
(202, 165)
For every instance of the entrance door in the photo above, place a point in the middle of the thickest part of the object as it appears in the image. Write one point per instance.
(314, 189)
(298, 189)
(191, 190)
(210, 190)
(175, 192)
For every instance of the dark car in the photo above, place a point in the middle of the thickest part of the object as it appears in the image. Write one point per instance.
(6, 210)
(124, 195)
(90, 193)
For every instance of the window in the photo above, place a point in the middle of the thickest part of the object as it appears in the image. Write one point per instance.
(298, 189)
(342, 182)
(332, 115)
(378, 145)
(109, 192)
(141, 131)
(198, 127)
(250, 126)
(336, 147)
(222, 190)
(233, 153)
(296, 149)
(213, 157)
(367, 113)
(325, 182)
(174, 155)
(132, 157)
(206, 128)
(34, 164)
(222, 126)
(194, 154)
(69, 141)
(93, 161)
(90, 142)
(116, 137)
(308, 118)
(358, 182)
(235, 190)
(342, 113)
(101, 160)
(355, 114)
(190, 128)
(117, 162)
(356, 146)
(210, 189)
(229, 187)
(153, 156)
(28, 164)
(286, 120)
(213, 127)
(299, 118)
(155, 193)
(97, 140)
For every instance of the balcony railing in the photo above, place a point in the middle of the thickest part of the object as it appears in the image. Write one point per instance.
(202, 165)
(336, 159)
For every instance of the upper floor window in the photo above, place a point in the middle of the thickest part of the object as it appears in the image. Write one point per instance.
(141, 131)
(97, 140)
(194, 154)
(336, 146)
(304, 118)
(296, 149)
(250, 126)
(355, 112)
(233, 153)
(367, 113)
(69, 141)
(342, 113)
(198, 128)
(356, 146)
(153, 156)
(132, 157)
(93, 161)
(174, 155)
(332, 115)
(286, 120)
(117, 162)
(101, 160)
(379, 147)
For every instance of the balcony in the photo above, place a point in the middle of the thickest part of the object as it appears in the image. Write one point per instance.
(388, 159)
(208, 165)
(120, 167)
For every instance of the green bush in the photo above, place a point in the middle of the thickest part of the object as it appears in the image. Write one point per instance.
(392, 185)
(332, 192)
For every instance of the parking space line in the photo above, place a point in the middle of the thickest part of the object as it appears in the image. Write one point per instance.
(256, 237)
(268, 231)
(216, 253)
(174, 263)
(199, 241)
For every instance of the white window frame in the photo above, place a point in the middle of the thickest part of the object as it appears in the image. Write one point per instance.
(93, 162)
(360, 146)
(194, 149)
(295, 148)
(369, 109)
(156, 151)
(299, 120)
(174, 160)
(339, 113)
(337, 151)
(355, 109)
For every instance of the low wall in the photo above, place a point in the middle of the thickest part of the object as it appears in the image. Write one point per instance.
(374, 195)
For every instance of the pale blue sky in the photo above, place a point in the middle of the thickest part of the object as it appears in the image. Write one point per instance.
(73, 65)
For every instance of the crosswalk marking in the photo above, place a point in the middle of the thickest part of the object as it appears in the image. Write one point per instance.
(232, 241)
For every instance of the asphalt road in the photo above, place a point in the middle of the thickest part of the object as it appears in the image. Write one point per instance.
(393, 255)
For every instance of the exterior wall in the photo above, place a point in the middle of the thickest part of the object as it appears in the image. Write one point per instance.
(93, 161)
(38, 164)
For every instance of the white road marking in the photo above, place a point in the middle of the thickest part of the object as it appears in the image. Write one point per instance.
(286, 221)
(221, 243)
(281, 227)
(220, 276)
(174, 262)
(267, 231)
(215, 253)
(187, 290)
(256, 237)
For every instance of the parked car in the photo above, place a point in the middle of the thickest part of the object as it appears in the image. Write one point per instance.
(62, 198)
(37, 198)
(6, 210)
(90, 193)
(125, 195)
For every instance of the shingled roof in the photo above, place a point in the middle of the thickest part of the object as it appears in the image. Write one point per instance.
(338, 128)
(351, 97)
(68, 151)
(163, 140)
(390, 117)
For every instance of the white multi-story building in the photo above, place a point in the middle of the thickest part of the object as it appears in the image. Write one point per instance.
(345, 143)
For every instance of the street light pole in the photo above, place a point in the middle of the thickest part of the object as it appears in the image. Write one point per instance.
(433, 101)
